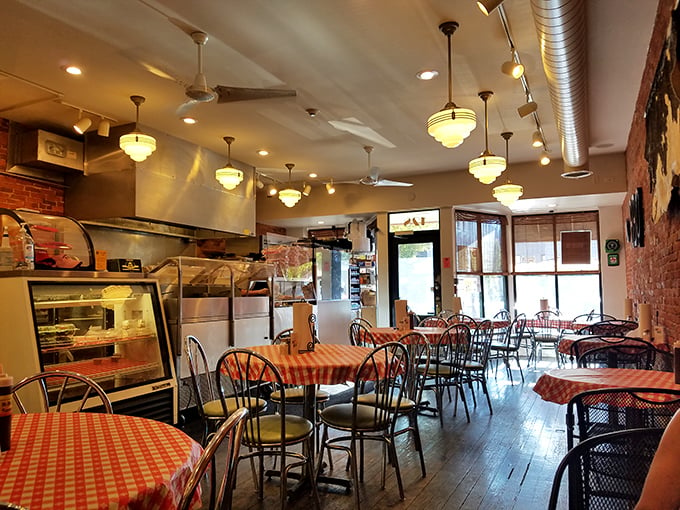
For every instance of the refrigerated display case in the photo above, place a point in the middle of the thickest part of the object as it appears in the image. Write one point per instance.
(108, 327)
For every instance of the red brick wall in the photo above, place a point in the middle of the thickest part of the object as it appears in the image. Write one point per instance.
(653, 271)
(18, 192)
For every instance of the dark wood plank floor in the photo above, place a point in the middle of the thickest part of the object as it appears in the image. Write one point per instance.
(503, 461)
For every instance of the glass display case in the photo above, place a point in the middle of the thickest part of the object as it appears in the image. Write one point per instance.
(110, 329)
(60, 242)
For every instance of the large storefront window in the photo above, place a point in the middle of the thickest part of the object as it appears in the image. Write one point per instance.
(481, 263)
(557, 258)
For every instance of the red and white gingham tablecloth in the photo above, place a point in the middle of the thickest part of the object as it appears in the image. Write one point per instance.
(560, 385)
(586, 343)
(95, 461)
(384, 335)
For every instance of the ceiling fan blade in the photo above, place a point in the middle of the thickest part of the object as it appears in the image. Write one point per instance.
(232, 94)
(387, 182)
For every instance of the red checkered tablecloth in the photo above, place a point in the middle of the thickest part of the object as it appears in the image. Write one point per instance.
(327, 364)
(384, 335)
(560, 385)
(586, 343)
(95, 461)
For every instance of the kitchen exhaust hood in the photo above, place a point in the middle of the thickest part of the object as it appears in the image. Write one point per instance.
(175, 185)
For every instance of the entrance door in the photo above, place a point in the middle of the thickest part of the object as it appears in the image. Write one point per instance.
(415, 271)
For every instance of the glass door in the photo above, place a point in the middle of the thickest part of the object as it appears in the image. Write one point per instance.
(415, 271)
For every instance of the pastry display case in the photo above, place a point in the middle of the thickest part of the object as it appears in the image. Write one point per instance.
(111, 329)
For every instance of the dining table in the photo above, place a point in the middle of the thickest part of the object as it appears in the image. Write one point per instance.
(560, 385)
(96, 461)
(384, 335)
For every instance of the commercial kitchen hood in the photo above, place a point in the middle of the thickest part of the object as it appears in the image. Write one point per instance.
(175, 185)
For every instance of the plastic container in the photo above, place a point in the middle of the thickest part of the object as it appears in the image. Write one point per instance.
(6, 383)
(6, 252)
(26, 258)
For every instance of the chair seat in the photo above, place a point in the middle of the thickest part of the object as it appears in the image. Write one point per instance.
(503, 347)
(434, 370)
(368, 418)
(297, 396)
(473, 365)
(269, 433)
(213, 409)
(370, 399)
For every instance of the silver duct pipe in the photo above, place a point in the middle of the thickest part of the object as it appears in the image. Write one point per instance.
(561, 28)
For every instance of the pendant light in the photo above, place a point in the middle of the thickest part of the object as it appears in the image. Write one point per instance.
(451, 125)
(508, 193)
(137, 145)
(487, 166)
(228, 176)
(289, 196)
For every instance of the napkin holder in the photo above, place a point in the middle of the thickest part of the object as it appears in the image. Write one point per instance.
(304, 328)
(401, 314)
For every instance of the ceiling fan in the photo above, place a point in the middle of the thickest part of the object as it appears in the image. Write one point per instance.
(199, 92)
(373, 177)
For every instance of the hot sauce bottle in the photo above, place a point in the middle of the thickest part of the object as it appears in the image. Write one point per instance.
(6, 383)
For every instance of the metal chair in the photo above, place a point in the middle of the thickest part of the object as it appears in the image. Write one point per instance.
(232, 431)
(360, 335)
(445, 370)
(605, 410)
(59, 391)
(546, 330)
(363, 321)
(622, 353)
(607, 471)
(510, 345)
(608, 328)
(248, 377)
(461, 318)
(432, 322)
(475, 366)
(388, 367)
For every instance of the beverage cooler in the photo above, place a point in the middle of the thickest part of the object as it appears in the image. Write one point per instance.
(108, 326)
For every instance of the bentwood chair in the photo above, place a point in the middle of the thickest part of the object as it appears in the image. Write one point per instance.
(58, 391)
(418, 347)
(247, 376)
(607, 471)
(231, 431)
(595, 412)
(360, 335)
(445, 370)
(387, 366)
(510, 346)
(474, 370)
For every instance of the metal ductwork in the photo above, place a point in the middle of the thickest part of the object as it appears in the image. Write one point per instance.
(561, 28)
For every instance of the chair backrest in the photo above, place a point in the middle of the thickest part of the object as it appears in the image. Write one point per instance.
(452, 348)
(388, 367)
(605, 410)
(445, 314)
(625, 353)
(592, 317)
(418, 347)
(281, 336)
(201, 382)
(481, 343)
(461, 318)
(503, 315)
(231, 431)
(360, 335)
(59, 389)
(432, 322)
(363, 321)
(515, 332)
(610, 327)
(607, 471)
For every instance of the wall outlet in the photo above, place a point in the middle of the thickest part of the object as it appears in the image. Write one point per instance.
(659, 335)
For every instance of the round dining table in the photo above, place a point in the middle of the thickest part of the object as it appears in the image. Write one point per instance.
(560, 385)
(96, 461)
(384, 335)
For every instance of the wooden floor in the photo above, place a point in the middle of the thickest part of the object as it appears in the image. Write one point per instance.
(503, 461)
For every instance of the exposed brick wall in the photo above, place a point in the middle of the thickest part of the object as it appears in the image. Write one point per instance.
(653, 271)
(18, 192)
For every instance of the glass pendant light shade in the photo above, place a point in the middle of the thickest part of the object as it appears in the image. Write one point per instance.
(487, 166)
(290, 196)
(137, 145)
(451, 125)
(228, 176)
(508, 194)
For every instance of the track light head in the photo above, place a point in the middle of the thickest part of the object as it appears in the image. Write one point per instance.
(487, 6)
(82, 125)
(536, 139)
(512, 68)
(104, 127)
(527, 109)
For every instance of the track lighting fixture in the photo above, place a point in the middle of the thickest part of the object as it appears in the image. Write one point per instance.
(271, 190)
(82, 124)
(487, 6)
(512, 67)
(527, 109)
(451, 125)
(545, 158)
(487, 166)
(330, 188)
(508, 193)
(228, 176)
(536, 139)
(137, 145)
(290, 196)
(306, 189)
(104, 127)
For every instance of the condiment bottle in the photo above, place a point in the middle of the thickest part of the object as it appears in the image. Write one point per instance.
(6, 253)
(27, 247)
(6, 383)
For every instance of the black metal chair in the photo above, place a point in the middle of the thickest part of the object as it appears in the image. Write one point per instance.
(461, 318)
(617, 353)
(605, 410)
(433, 322)
(474, 370)
(360, 335)
(545, 331)
(231, 431)
(58, 391)
(613, 327)
(607, 471)
(510, 345)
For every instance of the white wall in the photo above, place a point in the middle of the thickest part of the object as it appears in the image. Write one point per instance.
(613, 277)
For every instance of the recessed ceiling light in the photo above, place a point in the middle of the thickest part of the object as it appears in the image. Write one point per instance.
(427, 74)
(320, 222)
(313, 175)
(73, 70)
(263, 152)
(552, 205)
(188, 120)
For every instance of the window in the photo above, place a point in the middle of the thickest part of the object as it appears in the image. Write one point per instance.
(481, 263)
(557, 258)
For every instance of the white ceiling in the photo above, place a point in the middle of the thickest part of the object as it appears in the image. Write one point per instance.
(355, 61)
